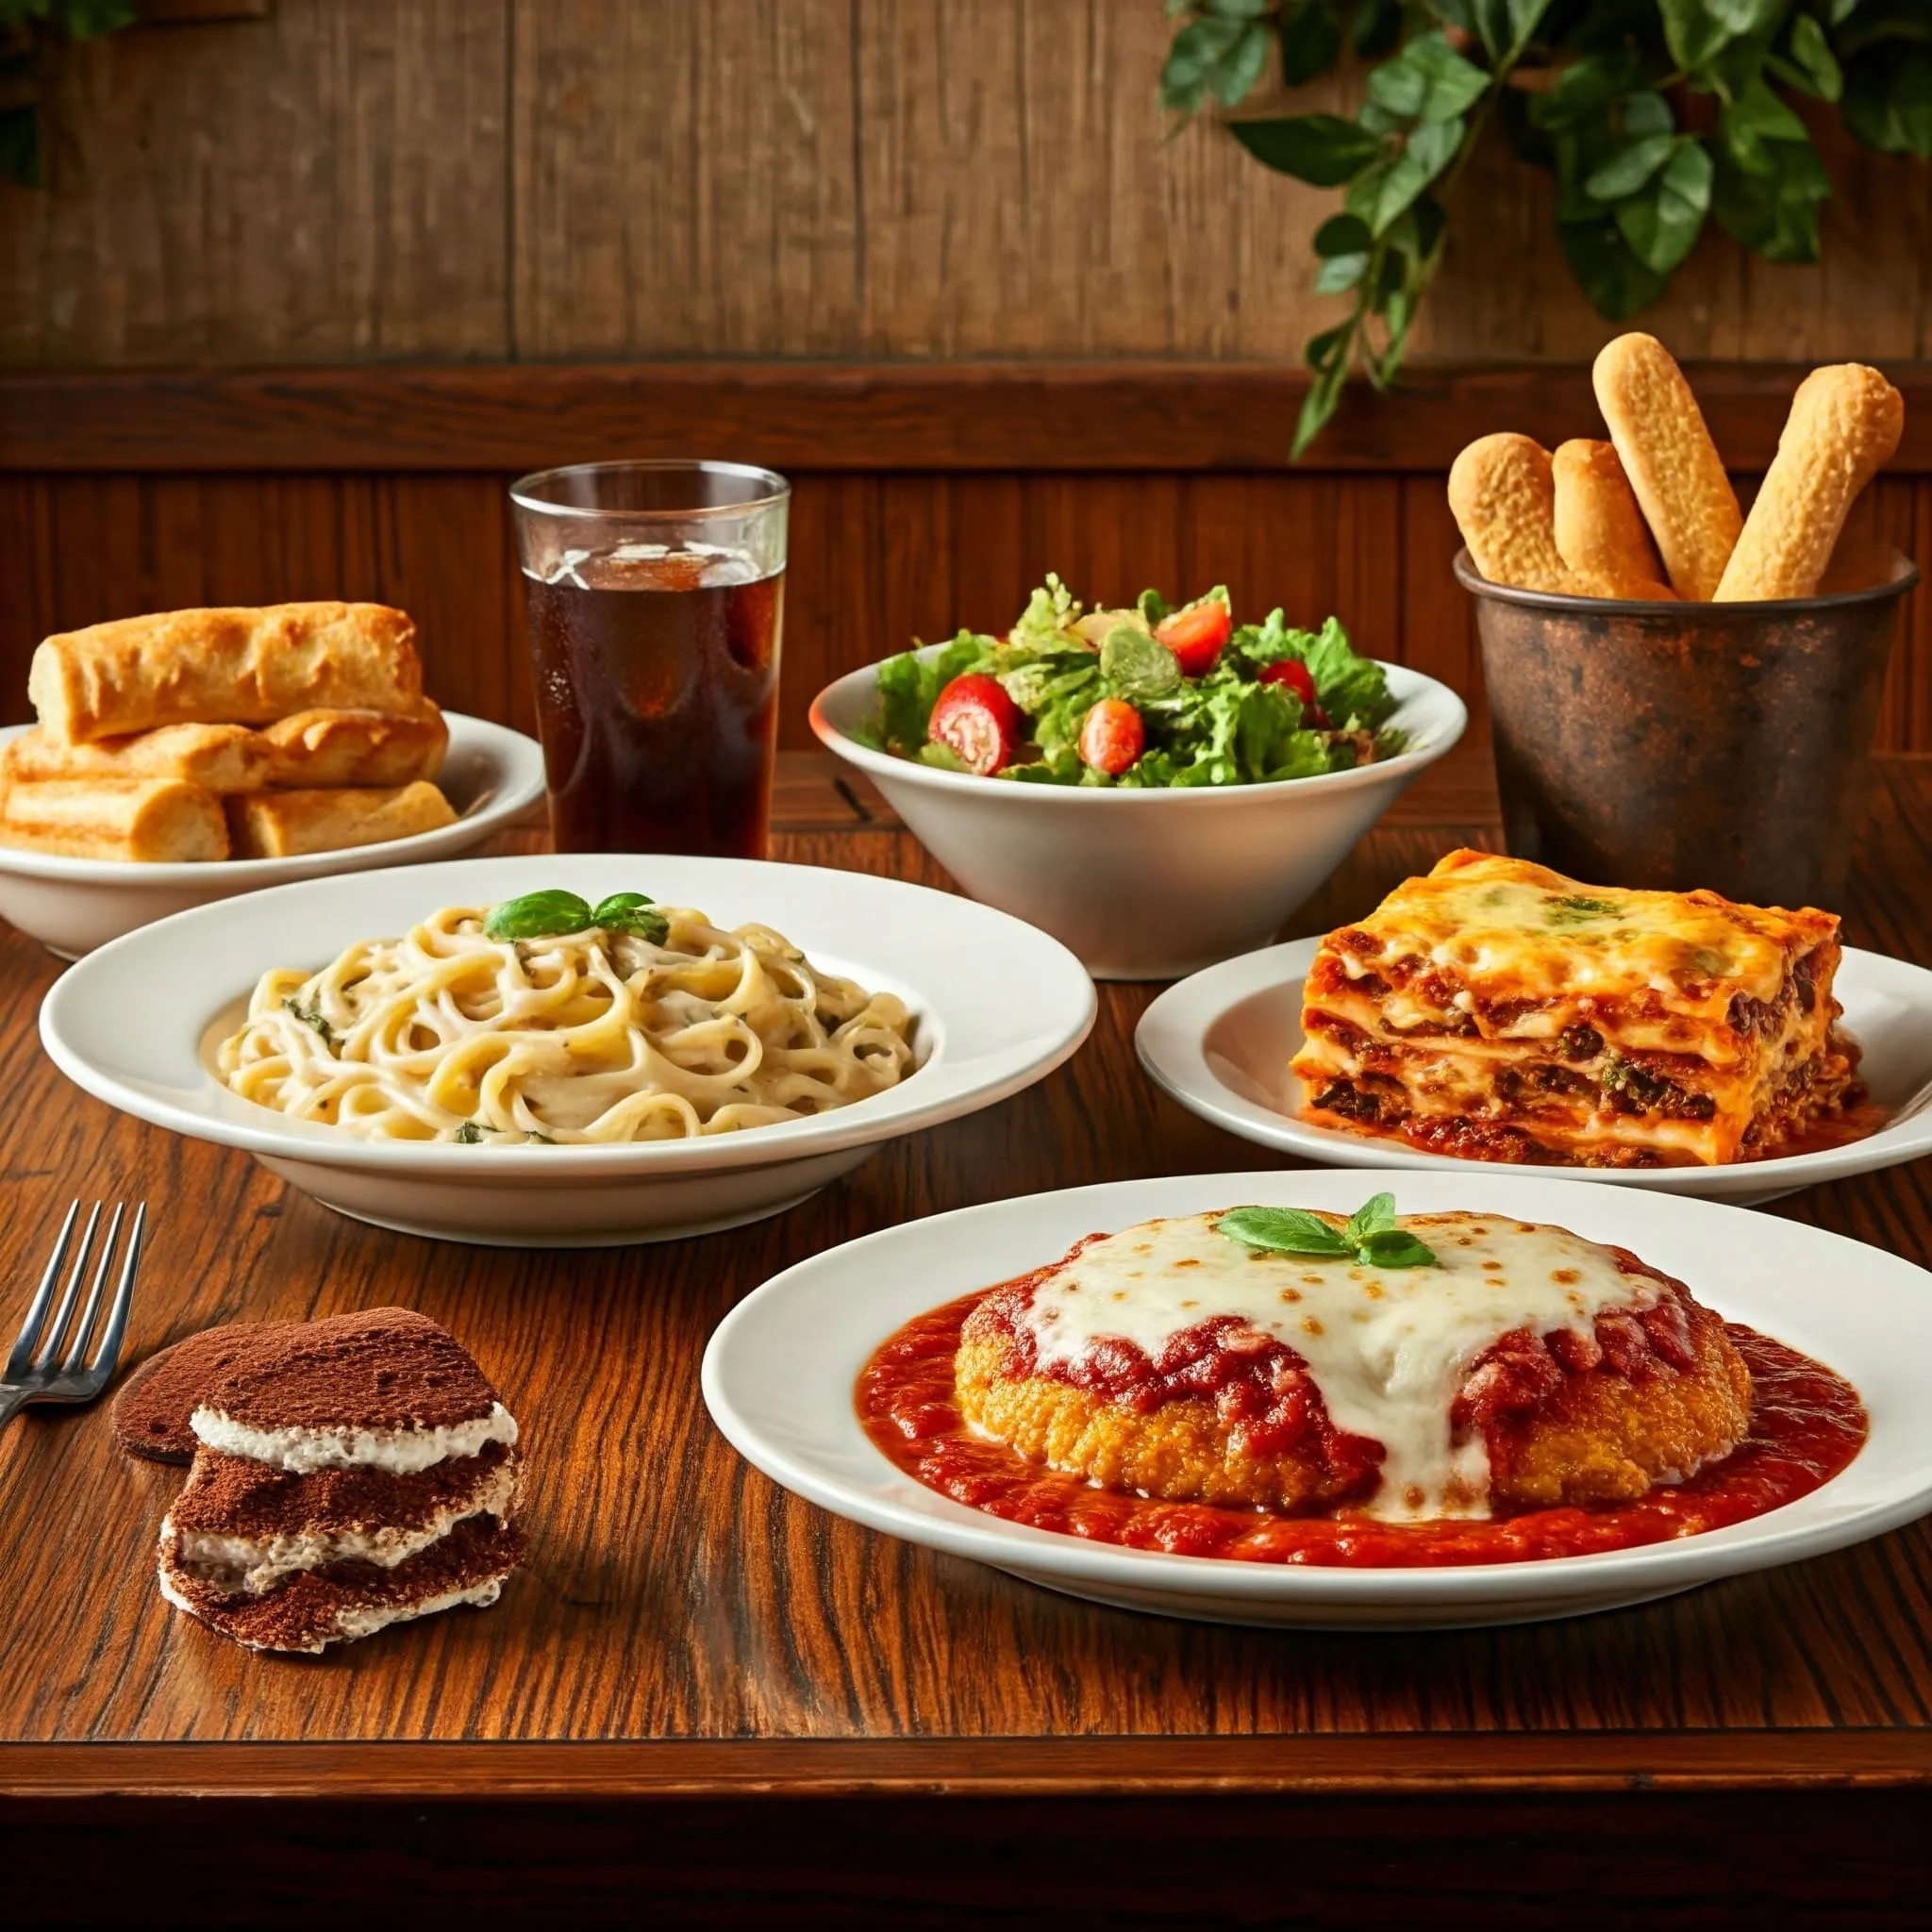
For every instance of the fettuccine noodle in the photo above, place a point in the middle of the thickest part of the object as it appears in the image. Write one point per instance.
(592, 1037)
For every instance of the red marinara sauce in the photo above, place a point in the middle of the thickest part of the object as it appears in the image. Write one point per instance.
(1806, 1425)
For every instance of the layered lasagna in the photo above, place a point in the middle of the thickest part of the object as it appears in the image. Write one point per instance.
(1497, 1010)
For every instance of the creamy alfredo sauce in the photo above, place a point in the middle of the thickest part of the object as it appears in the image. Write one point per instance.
(1388, 1347)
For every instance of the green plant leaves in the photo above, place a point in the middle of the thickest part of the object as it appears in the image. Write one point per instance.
(556, 914)
(1772, 207)
(1627, 170)
(1310, 35)
(1389, 188)
(1887, 79)
(1429, 81)
(1321, 149)
(1221, 52)
(1608, 269)
(1662, 224)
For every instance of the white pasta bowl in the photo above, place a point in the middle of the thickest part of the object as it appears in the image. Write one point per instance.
(995, 1007)
(490, 775)
(1144, 884)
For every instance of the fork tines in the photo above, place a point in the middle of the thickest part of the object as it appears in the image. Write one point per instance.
(36, 1355)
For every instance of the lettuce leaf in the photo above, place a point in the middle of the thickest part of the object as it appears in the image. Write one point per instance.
(910, 685)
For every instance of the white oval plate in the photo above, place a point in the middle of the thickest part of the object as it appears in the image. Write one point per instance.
(997, 1003)
(779, 1373)
(490, 774)
(1221, 1041)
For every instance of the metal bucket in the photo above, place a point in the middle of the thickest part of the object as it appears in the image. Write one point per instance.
(1678, 745)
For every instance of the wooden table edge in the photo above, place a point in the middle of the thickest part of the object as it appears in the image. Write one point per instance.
(1387, 1764)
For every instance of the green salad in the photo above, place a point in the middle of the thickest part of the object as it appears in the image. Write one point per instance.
(1156, 695)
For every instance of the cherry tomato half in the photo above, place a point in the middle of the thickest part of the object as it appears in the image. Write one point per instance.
(1196, 635)
(1112, 737)
(1294, 674)
(978, 723)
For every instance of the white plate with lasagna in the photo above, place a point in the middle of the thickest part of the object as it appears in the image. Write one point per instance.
(1285, 1399)
(1595, 1057)
(569, 1050)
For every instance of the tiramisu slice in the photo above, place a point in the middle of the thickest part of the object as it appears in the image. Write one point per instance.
(344, 1600)
(350, 1474)
(387, 1389)
(151, 1408)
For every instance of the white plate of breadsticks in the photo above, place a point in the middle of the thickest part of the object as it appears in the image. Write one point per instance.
(186, 757)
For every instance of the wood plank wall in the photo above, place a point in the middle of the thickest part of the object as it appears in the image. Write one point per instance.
(504, 179)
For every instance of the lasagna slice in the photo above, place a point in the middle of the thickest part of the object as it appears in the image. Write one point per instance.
(1499, 1011)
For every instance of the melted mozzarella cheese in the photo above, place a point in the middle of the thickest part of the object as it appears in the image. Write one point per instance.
(1388, 1347)
(1510, 929)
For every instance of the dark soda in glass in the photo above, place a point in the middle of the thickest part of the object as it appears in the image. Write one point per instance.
(657, 673)
(656, 594)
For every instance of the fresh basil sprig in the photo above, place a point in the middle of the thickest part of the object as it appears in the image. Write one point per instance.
(556, 914)
(631, 912)
(538, 916)
(1371, 1235)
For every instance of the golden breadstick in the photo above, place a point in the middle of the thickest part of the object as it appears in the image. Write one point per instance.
(1503, 502)
(282, 824)
(224, 667)
(157, 821)
(325, 748)
(218, 757)
(1600, 531)
(1671, 462)
(1845, 422)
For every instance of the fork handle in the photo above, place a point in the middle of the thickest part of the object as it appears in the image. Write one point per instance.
(11, 1401)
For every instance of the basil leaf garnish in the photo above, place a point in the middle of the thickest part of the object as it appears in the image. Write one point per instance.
(311, 1015)
(1377, 1213)
(1282, 1231)
(538, 916)
(1395, 1247)
(469, 1135)
(632, 912)
(1371, 1235)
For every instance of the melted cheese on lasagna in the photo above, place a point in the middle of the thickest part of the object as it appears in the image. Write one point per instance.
(1388, 1348)
(1592, 1021)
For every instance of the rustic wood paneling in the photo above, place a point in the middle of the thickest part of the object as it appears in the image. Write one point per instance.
(1075, 417)
(325, 184)
(350, 179)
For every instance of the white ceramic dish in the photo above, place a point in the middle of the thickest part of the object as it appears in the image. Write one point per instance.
(998, 1005)
(1221, 1041)
(1144, 884)
(778, 1379)
(73, 905)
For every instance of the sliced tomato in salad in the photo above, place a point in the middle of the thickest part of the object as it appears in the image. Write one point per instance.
(1294, 674)
(1196, 635)
(1112, 737)
(976, 722)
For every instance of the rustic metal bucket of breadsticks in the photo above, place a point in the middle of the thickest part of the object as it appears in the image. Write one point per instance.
(1683, 696)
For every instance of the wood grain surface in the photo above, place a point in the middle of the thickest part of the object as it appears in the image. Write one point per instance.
(707, 1632)
(355, 179)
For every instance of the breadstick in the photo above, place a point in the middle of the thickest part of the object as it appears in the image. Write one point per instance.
(1672, 463)
(218, 757)
(1845, 422)
(1600, 531)
(325, 748)
(282, 824)
(157, 821)
(1503, 502)
(224, 667)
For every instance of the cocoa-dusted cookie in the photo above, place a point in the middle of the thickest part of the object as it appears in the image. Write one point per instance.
(385, 1389)
(151, 1408)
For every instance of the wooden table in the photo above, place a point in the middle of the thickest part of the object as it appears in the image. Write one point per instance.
(690, 1645)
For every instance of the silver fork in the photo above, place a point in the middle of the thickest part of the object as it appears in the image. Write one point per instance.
(36, 1371)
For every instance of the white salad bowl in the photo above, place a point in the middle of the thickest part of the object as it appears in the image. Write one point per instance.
(490, 775)
(995, 1007)
(1144, 884)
